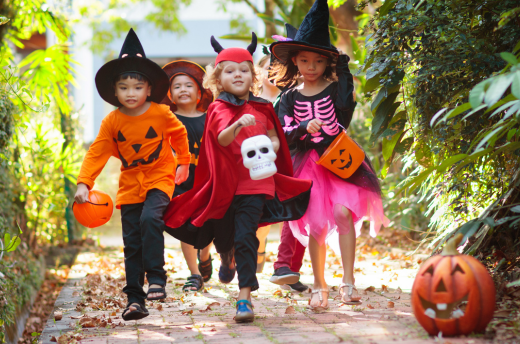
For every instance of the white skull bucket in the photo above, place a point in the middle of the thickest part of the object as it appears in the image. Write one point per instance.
(259, 156)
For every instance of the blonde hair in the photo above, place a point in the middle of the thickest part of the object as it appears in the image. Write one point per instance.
(213, 74)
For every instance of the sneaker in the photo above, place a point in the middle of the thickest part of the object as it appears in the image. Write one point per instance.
(284, 275)
(298, 286)
(244, 312)
(227, 274)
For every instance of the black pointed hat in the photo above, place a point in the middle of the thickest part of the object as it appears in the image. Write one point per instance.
(132, 59)
(313, 35)
(194, 71)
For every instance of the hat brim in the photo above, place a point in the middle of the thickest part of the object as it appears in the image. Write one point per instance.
(107, 73)
(194, 71)
(282, 49)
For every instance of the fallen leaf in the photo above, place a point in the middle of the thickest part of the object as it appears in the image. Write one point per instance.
(113, 314)
(213, 330)
(503, 313)
(58, 316)
(158, 307)
(384, 288)
(371, 288)
(290, 310)
(318, 309)
(390, 304)
(63, 339)
(188, 328)
(187, 312)
(398, 290)
(76, 293)
(53, 339)
(370, 306)
(278, 293)
(397, 298)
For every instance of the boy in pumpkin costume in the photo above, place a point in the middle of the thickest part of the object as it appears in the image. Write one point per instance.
(226, 205)
(139, 132)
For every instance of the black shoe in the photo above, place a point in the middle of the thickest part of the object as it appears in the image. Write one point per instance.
(298, 286)
(284, 275)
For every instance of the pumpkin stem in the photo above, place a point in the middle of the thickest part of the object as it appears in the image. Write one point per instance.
(451, 246)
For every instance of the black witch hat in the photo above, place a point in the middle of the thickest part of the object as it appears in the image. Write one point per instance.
(132, 59)
(313, 35)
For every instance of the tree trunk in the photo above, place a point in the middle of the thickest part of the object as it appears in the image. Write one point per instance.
(345, 19)
(270, 27)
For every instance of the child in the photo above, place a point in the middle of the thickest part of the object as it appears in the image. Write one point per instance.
(313, 113)
(139, 133)
(188, 100)
(225, 204)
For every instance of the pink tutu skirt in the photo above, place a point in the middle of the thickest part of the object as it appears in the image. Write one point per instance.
(329, 191)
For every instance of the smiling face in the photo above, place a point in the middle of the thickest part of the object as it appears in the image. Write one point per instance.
(441, 289)
(311, 65)
(236, 78)
(184, 91)
(132, 93)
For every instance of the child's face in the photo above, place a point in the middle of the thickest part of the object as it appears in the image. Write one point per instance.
(184, 91)
(132, 93)
(236, 78)
(311, 65)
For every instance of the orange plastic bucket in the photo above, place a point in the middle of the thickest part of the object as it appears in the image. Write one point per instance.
(343, 157)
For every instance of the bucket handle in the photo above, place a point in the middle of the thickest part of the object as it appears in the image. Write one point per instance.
(105, 204)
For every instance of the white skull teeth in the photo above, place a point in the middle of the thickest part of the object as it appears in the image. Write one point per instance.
(430, 313)
(442, 306)
(457, 313)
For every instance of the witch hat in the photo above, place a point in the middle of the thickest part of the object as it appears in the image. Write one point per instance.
(132, 59)
(313, 35)
(237, 55)
(194, 71)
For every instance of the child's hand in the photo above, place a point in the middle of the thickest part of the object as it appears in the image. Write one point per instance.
(183, 171)
(314, 126)
(81, 195)
(246, 120)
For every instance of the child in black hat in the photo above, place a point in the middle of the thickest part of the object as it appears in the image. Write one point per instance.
(189, 101)
(139, 132)
(313, 115)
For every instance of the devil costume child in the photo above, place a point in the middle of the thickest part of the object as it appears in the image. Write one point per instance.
(334, 106)
(225, 204)
(146, 183)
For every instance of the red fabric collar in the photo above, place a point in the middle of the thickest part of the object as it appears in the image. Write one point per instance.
(237, 55)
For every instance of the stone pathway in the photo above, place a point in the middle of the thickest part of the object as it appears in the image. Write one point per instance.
(89, 306)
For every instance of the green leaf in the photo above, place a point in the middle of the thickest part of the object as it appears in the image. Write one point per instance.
(414, 182)
(513, 284)
(450, 162)
(457, 111)
(474, 111)
(371, 84)
(515, 85)
(389, 145)
(423, 154)
(387, 6)
(476, 95)
(497, 88)
(509, 58)
(7, 240)
(511, 133)
(515, 209)
(383, 116)
(14, 244)
(4, 20)
(437, 115)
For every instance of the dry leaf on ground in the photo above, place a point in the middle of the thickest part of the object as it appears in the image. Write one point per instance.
(370, 306)
(187, 312)
(58, 316)
(290, 310)
(398, 290)
(158, 307)
(384, 288)
(390, 304)
(371, 288)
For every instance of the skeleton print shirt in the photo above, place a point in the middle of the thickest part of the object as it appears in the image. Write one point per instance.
(334, 106)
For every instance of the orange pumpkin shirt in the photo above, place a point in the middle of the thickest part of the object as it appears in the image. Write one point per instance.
(142, 143)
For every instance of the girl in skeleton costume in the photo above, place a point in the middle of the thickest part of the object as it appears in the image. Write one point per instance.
(312, 115)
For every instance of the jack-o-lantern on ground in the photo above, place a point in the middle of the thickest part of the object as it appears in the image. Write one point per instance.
(447, 282)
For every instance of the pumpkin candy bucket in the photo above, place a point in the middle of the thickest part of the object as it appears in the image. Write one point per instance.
(453, 293)
(94, 212)
(343, 157)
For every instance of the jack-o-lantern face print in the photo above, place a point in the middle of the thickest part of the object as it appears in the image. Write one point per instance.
(341, 161)
(453, 295)
(142, 147)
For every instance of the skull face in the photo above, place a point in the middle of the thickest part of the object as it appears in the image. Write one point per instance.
(259, 156)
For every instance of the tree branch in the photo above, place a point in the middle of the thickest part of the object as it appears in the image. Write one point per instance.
(253, 7)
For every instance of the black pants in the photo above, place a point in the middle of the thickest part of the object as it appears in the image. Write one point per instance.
(246, 211)
(143, 228)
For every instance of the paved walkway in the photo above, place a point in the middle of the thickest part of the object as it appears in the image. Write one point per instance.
(89, 306)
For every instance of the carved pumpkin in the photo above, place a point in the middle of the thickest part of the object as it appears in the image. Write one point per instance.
(443, 283)
(96, 211)
(343, 156)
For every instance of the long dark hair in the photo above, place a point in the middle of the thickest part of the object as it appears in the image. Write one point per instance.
(286, 74)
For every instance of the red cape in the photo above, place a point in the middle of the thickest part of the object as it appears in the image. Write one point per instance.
(189, 217)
